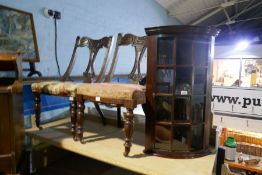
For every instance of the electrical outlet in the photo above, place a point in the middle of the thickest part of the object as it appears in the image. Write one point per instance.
(52, 13)
(57, 15)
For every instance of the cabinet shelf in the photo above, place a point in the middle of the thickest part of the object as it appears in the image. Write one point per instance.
(179, 123)
(182, 96)
(165, 66)
(160, 94)
(164, 123)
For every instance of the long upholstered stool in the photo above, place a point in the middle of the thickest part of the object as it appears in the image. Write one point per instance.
(118, 94)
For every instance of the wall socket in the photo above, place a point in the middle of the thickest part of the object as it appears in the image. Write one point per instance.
(52, 13)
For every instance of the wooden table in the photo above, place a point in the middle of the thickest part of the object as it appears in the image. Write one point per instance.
(104, 143)
(254, 168)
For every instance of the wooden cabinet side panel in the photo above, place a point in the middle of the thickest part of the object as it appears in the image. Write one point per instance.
(150, 106)
(208, 115)
(5, 135)
(11, 131)
(18, 125)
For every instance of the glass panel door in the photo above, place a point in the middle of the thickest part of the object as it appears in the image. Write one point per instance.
(197, 137)
(201, 52)
(198, 109)
(184, 51)
(163, 137)
(164, 80)
(181, 138)
(163, 108)
(182, 109)
(200, 76)
(183, 80)
(165, 50)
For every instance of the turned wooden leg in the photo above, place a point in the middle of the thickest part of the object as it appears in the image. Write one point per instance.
(128, 130)
(73, 106)
(37, 109)
(80, 119)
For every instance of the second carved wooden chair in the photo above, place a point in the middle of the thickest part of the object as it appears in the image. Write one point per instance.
(65, 88)
(125, 95)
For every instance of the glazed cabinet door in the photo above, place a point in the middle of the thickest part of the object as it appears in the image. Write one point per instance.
(163, 92)
(179, 90)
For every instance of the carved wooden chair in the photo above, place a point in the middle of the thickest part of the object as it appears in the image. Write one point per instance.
(116, 94)
(66, 88)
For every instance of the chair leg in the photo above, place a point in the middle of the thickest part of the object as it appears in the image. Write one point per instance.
(119, 121)
(80, 120)
(73, 106)
(128, 130)
(100, 113)
(37, 109)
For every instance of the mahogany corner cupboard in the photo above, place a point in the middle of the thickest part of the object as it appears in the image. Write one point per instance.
(178, 90)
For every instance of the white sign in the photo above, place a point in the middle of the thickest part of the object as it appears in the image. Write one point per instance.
(247, 102)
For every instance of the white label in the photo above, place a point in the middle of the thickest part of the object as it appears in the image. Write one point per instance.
(71, 98)
(183, 92)
(230, 153)
(97, 98)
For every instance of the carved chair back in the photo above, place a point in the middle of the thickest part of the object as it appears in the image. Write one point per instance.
(68, 89)
(139, 44)
(94, 46)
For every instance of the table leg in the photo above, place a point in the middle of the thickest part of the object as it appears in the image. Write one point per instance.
(128, 130)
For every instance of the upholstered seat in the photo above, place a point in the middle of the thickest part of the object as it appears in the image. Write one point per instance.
(58, 88)
(118, 91)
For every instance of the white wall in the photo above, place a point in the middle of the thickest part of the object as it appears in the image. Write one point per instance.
(94, 18)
